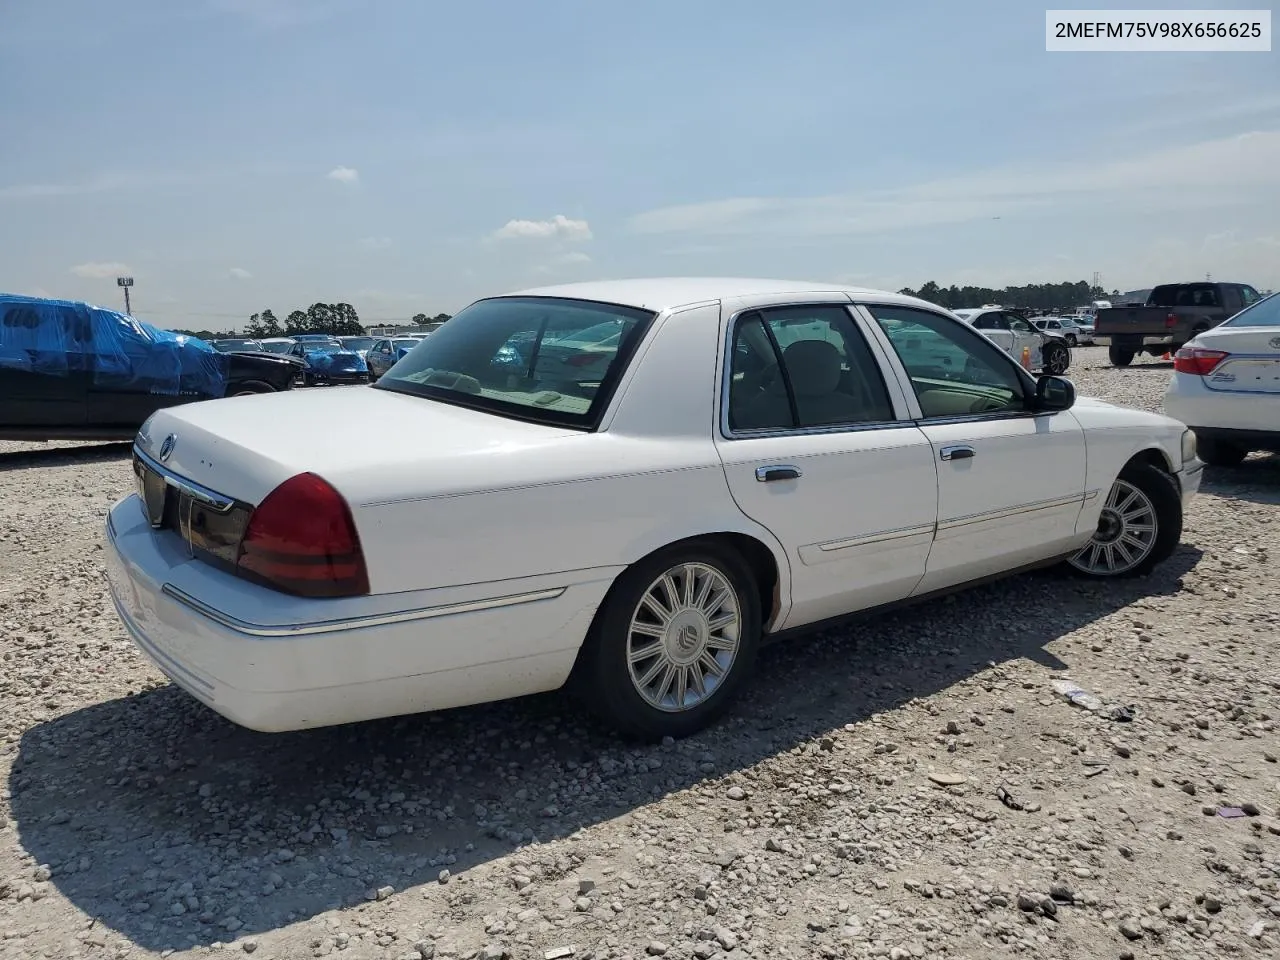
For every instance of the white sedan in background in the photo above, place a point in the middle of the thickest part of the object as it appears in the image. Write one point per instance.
(1226, 385)
(754, 457)
(1018, 337)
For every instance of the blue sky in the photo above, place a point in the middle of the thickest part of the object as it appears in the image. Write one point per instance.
(405, 155)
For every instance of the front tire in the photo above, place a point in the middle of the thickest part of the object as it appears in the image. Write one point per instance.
(1072, 341)
(1140, 526)
(250, 387)
(673, 642)
(1057, 358)
(1216, 453)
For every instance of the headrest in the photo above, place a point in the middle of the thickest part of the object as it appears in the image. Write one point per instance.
(814, 366)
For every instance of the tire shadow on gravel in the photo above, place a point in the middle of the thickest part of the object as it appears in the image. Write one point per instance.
(60, 456)
(129, 800)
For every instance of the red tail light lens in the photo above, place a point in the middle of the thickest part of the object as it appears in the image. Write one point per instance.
(1198, 361)
(1171, 321)
(302, 540)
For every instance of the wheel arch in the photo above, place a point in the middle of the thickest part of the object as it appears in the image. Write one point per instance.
(1154, 456)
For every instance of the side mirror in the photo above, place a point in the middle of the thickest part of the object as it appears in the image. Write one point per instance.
(1055, 393)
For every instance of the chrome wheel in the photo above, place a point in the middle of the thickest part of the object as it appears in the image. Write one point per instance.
(683, 637)
(1126, 533)
(1058, 361)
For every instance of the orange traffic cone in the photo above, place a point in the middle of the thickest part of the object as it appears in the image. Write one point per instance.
(1026, 358)
(1167, 356)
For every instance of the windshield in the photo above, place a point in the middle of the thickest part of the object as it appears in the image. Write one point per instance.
(546, 359)
(277, 346)
(357, 343)
(227, 345)
(1264, 313)
(320, 346)
(409, 342)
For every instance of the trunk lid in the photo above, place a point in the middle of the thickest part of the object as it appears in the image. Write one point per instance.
(371, 444)
(1254, 362)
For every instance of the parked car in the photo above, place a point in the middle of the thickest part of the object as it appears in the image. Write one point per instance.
(358, 345)
(73, 371)
(237, 346)
(327, 362)
(1226, 385)
(1065, 327)
(277, 344)
(1174, 314)
(1014, 333)
(384, 353)
(759, 457)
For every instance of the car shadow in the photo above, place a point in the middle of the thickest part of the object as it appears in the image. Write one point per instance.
(1257, 480)
(53, 456)
(129, 799)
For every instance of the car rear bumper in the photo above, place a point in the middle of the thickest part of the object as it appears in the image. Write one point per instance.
(321, 667)
(1203, 410)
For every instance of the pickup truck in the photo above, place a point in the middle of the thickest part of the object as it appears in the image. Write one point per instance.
(1172, 315)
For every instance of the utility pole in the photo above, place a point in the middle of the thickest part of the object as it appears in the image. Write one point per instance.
(125, 283)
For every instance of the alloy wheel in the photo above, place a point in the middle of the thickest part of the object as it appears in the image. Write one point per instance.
(1126, 534)
(684, 636)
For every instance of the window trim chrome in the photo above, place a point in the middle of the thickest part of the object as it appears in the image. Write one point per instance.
(893, 389)
(215, 501)
(861, 303)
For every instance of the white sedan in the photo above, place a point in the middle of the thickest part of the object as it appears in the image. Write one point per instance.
(755, 457)
(1226, 385)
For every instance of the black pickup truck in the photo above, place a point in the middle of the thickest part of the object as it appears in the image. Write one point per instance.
(1172, 315)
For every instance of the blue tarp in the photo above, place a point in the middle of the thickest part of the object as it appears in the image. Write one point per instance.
(60, 338)
(333, 359)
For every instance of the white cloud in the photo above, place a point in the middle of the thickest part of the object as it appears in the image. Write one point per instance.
(558, 227)
(375, 243)
(100, 271)
(1198, 175)
(344, 174)
(239, 273)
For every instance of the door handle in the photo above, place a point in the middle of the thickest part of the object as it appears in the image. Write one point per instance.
(777, 471)
(961, 451)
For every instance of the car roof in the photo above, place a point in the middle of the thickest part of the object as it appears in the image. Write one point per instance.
(663, 293)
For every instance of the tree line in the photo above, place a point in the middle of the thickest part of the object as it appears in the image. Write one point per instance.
(334, 319)
(1033, 296)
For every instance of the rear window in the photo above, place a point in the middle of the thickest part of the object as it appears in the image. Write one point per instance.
(547, 359)
(1184, 295)
(1264, 313)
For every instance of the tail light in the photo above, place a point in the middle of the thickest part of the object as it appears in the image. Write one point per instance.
(1171, 321)
(302, 540)
(1198, 361)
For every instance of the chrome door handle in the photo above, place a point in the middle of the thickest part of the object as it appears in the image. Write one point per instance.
(777, 471)
(960, 451)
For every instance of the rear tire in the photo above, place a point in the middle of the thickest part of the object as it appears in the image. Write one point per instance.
(1140, 526)
(1072, 341)
(652, 674)
(1218, 453)
(1119, 356)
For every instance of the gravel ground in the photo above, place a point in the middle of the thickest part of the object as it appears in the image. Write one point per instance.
(851, 806)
